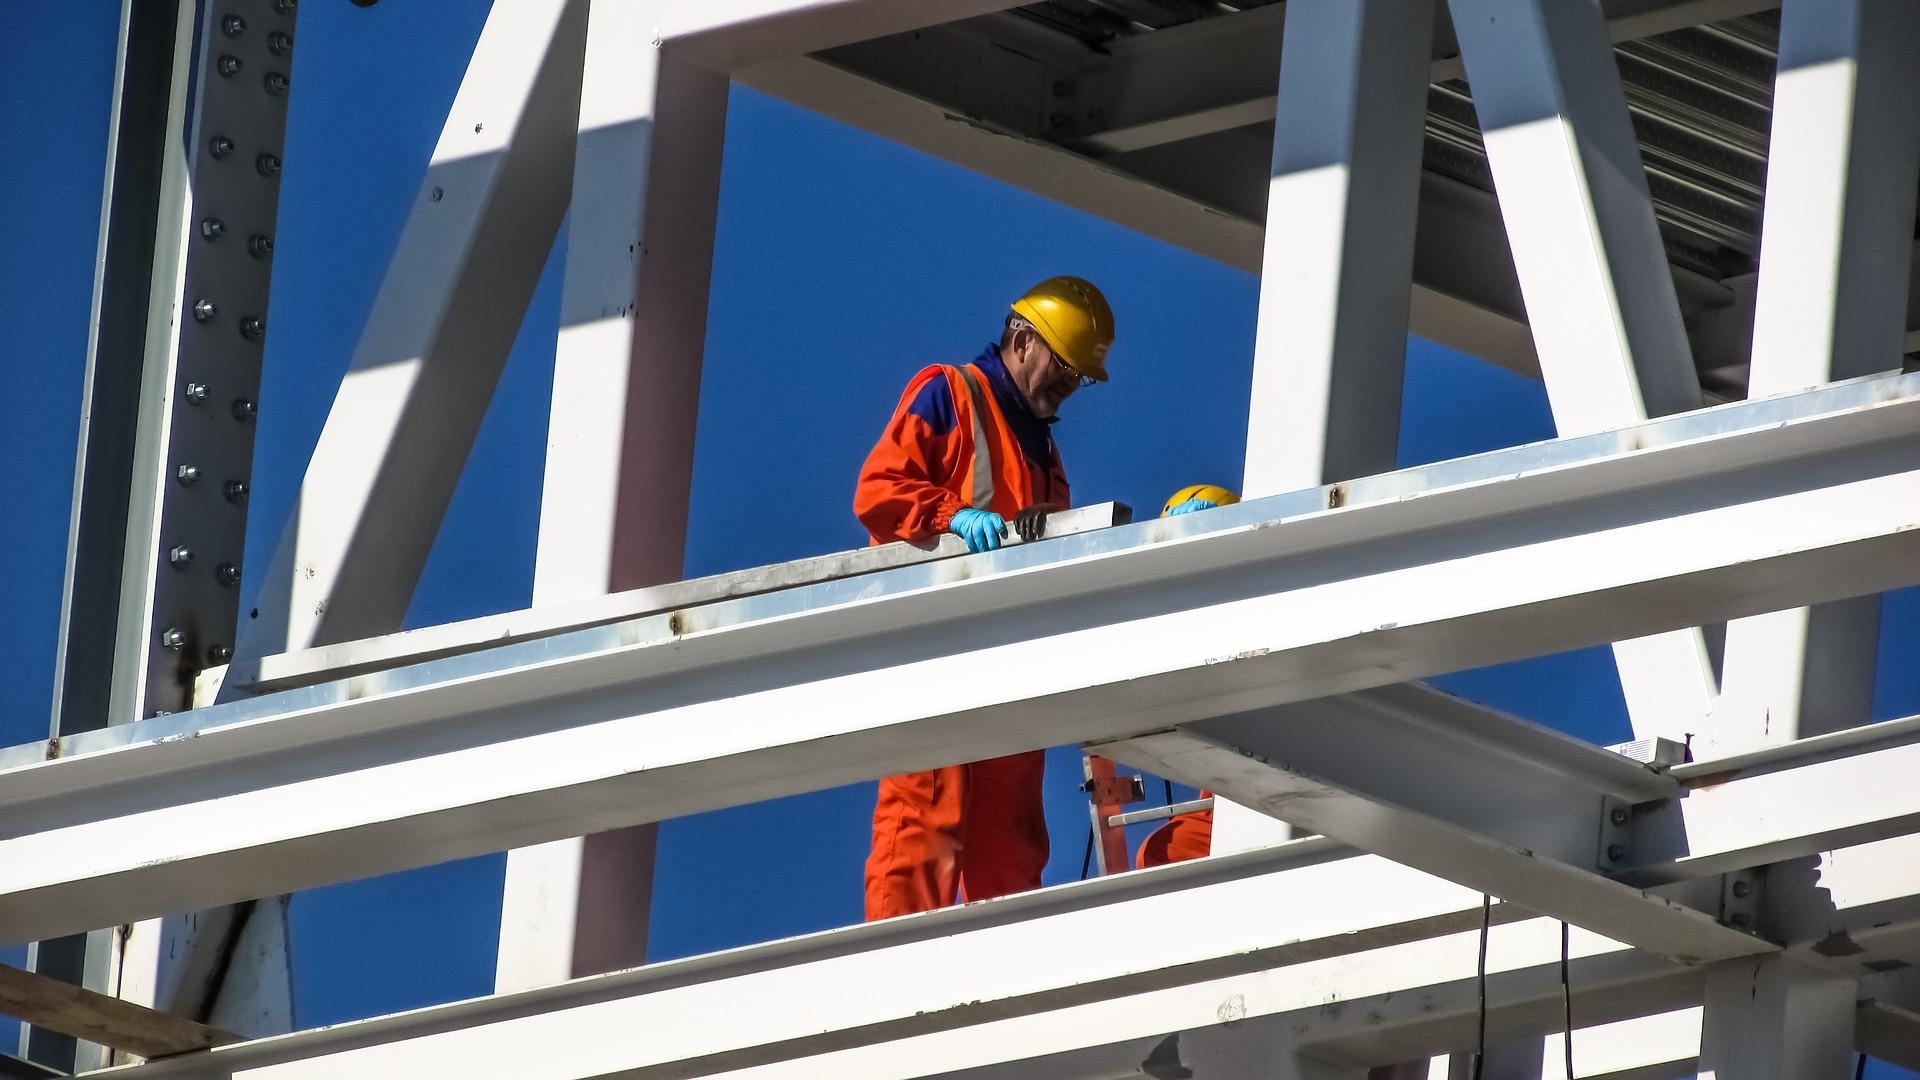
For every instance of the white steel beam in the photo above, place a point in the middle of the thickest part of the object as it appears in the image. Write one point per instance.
(730, 34)
(620, 436)
(1802, 803)
(1275, 600)
(1844, 163)
(1488, 801)
(1664, 1046)
(1593, 269)
(329, 662)
(1392, 975)
(1331, 341)
(436, 339)
(1330, 345)
(1448, 312)
(1233, 960)
(1775, 1018)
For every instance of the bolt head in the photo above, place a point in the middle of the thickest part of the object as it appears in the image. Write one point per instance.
(196, 393)
(436, 194)
(244, 409)
(259, 246)
(228, 66)
(279, 43)
(252, 328)
(284, 7)
(213, 228)
(1618, 816)
(1616, 852)
(180, 556)
(219, 146)
(1742, 889)
(227, 574)
(267, 165)
(188, 474)
(203, 310)
(233, 25)
(173, 638)
(276, 84)
(236, 491)
(219, 654)
(1739, 918)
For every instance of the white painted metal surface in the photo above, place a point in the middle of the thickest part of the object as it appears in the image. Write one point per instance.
(626, 394)
(729, 34)
(1330, 343)
(1592, 268)
(1212, 646)
(559, 616)
(439, 332)
(1832, 303)
(1401, 961)
(663, 716)
(1776, 1019)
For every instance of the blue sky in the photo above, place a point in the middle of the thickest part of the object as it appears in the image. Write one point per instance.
(843, 263)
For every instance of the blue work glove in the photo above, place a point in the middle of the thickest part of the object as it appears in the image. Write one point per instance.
(1191, 505)
(982, 530)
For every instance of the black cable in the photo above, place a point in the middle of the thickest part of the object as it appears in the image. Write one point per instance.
(1086, 861)
(1566, 995)
(1860, 1069)
(1169, 784)
(1486, 926)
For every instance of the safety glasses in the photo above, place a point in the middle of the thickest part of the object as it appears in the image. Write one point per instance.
(1085, 380)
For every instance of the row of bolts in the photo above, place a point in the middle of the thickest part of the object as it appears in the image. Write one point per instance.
(180, 556)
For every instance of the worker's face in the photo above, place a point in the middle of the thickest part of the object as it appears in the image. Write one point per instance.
(1044, 379)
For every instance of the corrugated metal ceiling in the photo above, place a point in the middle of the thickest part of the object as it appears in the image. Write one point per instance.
(1701, 100)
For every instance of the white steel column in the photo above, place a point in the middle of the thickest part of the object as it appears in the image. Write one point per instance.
(1592, 268)
(1330, 349)
(620, 441)
(1774, 1018)
(1843, 166)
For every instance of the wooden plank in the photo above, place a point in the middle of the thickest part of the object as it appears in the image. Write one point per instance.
(72, 1010)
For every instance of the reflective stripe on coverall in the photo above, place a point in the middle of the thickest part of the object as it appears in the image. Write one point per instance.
(976, 830)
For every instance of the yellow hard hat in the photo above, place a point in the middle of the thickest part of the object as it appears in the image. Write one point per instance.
(1212, 493)
(1073, 319)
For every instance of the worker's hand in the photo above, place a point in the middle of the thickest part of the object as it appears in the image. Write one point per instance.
(1031, 523)
(982, 530)
(1191, 505)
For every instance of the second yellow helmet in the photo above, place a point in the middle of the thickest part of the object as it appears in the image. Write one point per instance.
(1213, 493)
(1074, 320)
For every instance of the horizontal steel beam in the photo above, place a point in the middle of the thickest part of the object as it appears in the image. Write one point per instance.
(1038, 974)
(1485, 800)
(1853, 792)
(1036, 977)
(1745, 508)
(1192, 80)
(1459, 304)
(800, 991)
(726, 34)
(309, 666)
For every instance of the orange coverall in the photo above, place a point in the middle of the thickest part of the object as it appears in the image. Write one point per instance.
(1183, 837)
(976, 830)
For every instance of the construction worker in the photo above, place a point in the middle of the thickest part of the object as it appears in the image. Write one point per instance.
(1185, 836)
(968, 450)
